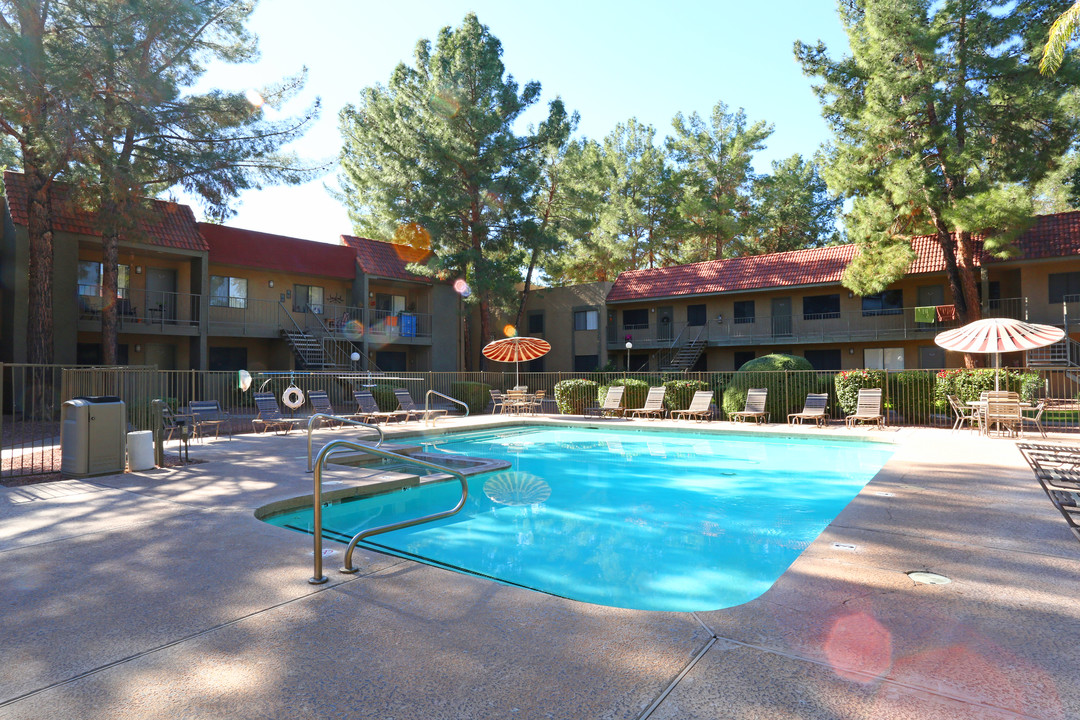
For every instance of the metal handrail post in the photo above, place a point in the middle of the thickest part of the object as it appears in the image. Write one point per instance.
(318, 416)
(427, 404)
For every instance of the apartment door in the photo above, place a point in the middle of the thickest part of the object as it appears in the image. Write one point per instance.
(160, 294)
(665, 323)
(931, 357)
(929, 295)
(781, 316)
(160, 354)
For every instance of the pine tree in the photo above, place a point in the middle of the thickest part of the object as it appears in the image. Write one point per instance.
(792, 210)
(715, 174)
(942, 126)
(436, 148)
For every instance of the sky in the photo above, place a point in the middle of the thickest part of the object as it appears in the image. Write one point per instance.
(609, 61)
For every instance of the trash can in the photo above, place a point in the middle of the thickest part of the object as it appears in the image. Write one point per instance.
(93, 436)
(140, 446)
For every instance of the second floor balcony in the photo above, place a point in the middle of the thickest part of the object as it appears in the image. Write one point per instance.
(860, 326)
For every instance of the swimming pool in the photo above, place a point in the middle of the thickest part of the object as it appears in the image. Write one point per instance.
(633, 519)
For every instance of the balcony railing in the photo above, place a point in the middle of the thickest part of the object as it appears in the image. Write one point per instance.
(263, 318)
(141, 310)
(869, 325)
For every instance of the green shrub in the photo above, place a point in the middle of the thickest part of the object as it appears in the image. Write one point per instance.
(679, 393)
(788, 379)
(849, 382)
(384, 396)
(967, 384)
(573, 396)
(636, 390)
(911, 394)
(476, 395)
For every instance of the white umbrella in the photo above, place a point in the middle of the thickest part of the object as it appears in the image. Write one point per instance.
(999, 335)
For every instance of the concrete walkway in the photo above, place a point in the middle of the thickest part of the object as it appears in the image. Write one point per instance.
(159, 595)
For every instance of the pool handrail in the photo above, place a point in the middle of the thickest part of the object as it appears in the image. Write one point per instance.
(427, 404)
(316, 498)
(338, 418)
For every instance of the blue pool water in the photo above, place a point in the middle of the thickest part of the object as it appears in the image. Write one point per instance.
(647, 520)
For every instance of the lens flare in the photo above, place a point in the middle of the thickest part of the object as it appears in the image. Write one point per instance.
(353, 329)
(444, 104)
(254, 98)
(494, 200)
(414, 235)
(462, 288)
(509, 331)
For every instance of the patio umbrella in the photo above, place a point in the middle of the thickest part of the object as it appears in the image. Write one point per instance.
(999, 335)
(516, 349)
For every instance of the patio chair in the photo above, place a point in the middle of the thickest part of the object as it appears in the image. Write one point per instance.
(498, 401)
(964, 414)
(208, 413)
(367, 409)
(755, 407)
(612, 403)
(269, 415)
(699, 407)
(654, 404)
(813, 409)
(1035, 419)
(535, 404)
(1004, 414)
(867, 409)
(169, 422)
(410, 408)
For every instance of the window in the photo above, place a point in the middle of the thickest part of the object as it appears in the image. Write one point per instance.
(695, 314)
(227, 358)
(633, 319)
(586, 363)
(536, 323)
(310, 297)
(228, 291)
(586, 320)
(821, 307)
(1064, 287)
(744, 312)
(887, 302)
(90, 279)
(883, 358)
(535, 365)
(824, 359)
(388, 304)
(742, 357)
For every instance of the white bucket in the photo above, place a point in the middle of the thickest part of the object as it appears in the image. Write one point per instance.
(140, 447)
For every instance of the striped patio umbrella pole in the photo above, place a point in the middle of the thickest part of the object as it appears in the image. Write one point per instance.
(999, 335)
(516, 349)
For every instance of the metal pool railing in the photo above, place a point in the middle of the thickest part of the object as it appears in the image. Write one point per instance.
(314, 420)
(317, 577)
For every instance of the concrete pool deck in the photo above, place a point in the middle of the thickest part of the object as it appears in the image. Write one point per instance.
(159, 595)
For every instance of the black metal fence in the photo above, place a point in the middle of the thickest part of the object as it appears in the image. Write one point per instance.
(31, 396)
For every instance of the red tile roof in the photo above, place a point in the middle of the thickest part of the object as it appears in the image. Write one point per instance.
(388, 260)
(1051, 236)
(165, 224)
(249, 248)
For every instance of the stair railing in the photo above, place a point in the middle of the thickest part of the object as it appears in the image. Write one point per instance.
(427, 404)
(312, 422)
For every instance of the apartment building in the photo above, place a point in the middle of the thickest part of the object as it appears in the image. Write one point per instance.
(196, 296)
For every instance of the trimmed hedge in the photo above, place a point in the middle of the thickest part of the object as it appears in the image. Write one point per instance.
(785, 396)
(573, 396)
(849, 382)
(384, 396)
(476, 395)
(968, 384)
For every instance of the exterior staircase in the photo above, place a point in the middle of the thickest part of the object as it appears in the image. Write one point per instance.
(685, 356)
(1064, 354)
(308, 350)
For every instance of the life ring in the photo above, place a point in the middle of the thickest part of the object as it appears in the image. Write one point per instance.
(293, 397)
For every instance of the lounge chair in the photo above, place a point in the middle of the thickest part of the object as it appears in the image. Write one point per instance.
(699, 407)
(867, 409)
(755, 407)
(1055, 469)
(612, 403)
(270, 417)
(411, 409)
(654, 404)
(367, 409)
(208, 413)
(320, 402)
(813, 409)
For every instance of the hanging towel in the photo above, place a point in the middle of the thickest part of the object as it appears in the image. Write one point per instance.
(945, 313)
(925, 314)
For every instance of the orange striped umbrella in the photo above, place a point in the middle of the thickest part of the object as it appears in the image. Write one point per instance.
(516, 349)
(998, 335)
